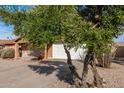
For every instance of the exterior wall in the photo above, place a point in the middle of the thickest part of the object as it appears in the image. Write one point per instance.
(34, 53)
(59, 52)
(119, 52)
(54, 51)
(25, 53)
(31, 53)
(49, 51)
(9, 46)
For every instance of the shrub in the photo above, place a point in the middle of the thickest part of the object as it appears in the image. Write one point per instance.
(8, 53)
(105, 60)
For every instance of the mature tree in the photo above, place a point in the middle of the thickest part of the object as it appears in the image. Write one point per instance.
(106, 18)
(104, 24)
(95, 26)
(90, 27)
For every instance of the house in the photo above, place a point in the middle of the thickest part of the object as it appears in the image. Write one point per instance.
(120, 50)
(6, 43)
(53, 51)
(17, 44)
(21, 48)
(56, 51)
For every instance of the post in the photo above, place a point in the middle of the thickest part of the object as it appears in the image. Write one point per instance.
(16, 50)
(45, 53)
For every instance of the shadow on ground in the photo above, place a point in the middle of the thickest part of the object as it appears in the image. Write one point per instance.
(60, 68)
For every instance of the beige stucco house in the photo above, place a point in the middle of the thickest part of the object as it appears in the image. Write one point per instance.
(21, 48)
(17, 44)
(52, 51)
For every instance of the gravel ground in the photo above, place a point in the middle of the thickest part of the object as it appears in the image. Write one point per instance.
(24, 73)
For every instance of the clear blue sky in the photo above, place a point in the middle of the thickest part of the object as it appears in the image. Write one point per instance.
(120, 38)
(6, 32)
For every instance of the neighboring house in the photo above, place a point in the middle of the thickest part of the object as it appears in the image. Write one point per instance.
(17, 44)
(120, 50)
(6, 43)
(21, 48)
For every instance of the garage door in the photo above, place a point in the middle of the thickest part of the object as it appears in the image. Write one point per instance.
(59, 52)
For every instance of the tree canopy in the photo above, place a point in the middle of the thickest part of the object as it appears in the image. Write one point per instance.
(45, 24)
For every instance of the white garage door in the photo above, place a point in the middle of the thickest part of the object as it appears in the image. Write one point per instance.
(59, 52)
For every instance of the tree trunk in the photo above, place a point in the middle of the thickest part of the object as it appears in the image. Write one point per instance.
(98, 82)
(72, 68)
(85, 70)
(91, 59)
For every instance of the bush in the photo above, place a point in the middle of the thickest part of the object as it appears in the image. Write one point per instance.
(8, 53)
(105, 60)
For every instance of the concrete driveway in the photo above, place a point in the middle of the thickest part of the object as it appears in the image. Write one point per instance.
(30, 74)
(24, 73)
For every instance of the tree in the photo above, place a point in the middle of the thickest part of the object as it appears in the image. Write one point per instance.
(97, 27)
(90, 27)
(104, 24)
(103, 17)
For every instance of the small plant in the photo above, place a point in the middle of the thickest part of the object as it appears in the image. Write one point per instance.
(8, 53)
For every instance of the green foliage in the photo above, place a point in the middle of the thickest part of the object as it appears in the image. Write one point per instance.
(41, 26)
(8, 53)
(95, 26)
(100, 38)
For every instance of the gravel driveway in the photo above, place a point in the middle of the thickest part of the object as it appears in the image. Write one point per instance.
(24, 73)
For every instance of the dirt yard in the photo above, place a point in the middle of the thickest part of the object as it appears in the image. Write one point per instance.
(25, 73)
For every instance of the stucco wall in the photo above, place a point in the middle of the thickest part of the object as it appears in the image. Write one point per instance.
(9, 46)
(31, 53)
(119, 52)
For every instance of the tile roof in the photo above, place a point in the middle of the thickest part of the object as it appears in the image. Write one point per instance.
(6, 42)
(119, 43)
(11, 42)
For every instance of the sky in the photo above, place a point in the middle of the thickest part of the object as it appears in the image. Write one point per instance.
(6, 31)
(120, 38)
